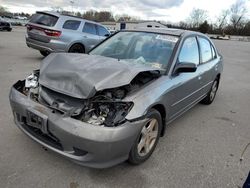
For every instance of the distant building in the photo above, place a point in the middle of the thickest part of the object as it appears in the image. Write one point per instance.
(132, 25)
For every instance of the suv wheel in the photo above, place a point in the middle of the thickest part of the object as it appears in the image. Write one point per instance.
(147, 139)
(77, 48)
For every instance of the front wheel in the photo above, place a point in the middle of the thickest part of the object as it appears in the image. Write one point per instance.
(212, 93)
(77, 48)
(147, 139)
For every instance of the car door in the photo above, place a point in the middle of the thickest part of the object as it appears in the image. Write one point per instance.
(185, 91)
(208, 65)
(90, 37)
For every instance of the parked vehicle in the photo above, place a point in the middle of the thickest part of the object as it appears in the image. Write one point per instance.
(53, 32)
(113, 104)
(5, 26)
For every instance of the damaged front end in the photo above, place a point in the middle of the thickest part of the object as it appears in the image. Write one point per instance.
(106, 108)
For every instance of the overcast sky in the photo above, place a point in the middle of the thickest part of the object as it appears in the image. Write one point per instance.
(165, 10)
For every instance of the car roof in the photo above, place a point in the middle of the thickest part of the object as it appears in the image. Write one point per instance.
(167, 31)
(67, 16)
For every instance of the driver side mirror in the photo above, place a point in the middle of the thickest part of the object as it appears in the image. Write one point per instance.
(185, 67)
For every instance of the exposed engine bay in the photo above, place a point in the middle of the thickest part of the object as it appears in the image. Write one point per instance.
(106, 108)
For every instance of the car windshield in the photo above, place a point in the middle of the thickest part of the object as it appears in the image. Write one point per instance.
(139, 47)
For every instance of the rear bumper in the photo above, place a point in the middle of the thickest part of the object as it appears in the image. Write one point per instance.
(52, 46)
(83, 143)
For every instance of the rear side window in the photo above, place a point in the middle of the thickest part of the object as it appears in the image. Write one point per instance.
(189, 51)
(206, 52)
(71, 24)
(89, 28)
(44, 19)
(102, 31)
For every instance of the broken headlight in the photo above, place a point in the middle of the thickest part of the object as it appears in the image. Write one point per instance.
(108, 114)
(32, 80)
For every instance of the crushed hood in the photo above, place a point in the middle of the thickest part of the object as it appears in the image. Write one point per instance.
(82, 75)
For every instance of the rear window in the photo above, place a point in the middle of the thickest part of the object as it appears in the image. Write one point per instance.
(71, 24)
(44, 19)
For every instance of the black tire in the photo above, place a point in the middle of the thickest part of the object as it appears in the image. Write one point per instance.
(77, 48)
(135, 157)
(44, 53)
(9, 29)
(212, 93)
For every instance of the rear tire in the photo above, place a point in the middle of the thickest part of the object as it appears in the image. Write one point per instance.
(212, 93)
(147, 139)
(77, 48)
(44, 53)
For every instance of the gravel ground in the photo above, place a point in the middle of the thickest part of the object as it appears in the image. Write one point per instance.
(200, 149)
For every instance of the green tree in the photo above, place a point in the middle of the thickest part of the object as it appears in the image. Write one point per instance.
(204, 27)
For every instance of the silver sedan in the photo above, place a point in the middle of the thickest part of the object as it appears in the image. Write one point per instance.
(113, 104)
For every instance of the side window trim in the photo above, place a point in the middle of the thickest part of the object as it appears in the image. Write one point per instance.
(214, 51)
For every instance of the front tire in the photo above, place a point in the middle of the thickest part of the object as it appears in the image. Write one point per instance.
(77, 48)
(147, 139)
(212, 93)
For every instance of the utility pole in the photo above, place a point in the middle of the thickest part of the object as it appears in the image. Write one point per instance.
(72, 6)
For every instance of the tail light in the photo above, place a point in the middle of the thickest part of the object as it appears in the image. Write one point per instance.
(48, 32)
(52, 33)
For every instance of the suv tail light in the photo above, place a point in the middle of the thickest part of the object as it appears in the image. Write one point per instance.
(48, 32)
(52, 33)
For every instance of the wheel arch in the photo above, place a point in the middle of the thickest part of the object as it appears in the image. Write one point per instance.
(218, 78)
(79, 44)
(161, 109)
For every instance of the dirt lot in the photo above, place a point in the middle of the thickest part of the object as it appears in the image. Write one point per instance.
(200, 149)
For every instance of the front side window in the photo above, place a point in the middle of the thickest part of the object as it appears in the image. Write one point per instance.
(102, 31)
(138, 47)
(89, 28)
(189, 52)
(206, 52)
(71, 24)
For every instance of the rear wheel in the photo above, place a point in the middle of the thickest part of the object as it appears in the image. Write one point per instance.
(212, 93)
(77, 48)
(44, 53)
(147, 139)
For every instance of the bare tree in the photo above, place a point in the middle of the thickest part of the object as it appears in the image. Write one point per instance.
(197, 17)
(238, 12)
(222, 20)
(3, 9)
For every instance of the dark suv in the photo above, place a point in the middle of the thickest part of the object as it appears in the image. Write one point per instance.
(5, 25)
